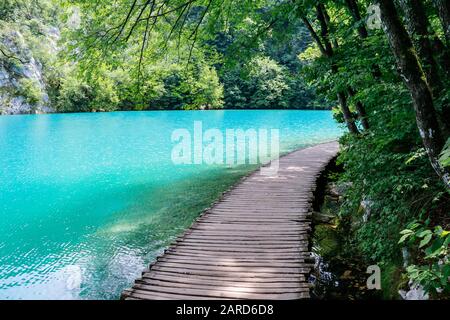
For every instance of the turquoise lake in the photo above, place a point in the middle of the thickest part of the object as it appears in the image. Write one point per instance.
(88, 200)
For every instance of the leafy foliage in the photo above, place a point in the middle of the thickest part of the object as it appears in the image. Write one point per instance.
(445, 156)
(29, 90)
(433, 246)
(388, 179)
(100, 66)
(154, 67)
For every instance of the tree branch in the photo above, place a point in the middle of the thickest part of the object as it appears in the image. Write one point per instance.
(314, 35)
(9, 56)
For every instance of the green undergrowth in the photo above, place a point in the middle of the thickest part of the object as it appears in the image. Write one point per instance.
(387, 186)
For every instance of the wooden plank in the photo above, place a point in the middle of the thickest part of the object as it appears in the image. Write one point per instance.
(221, 282)
(230, 279)
(146, 295)
(239, 265)
(239, 255)
(218, 291)
(247, 249)
(233, 268)
(212, 294)
(257, 271)
(227, 273)
(240, 234)
(236, 259)
(293, 227)
(244, 241)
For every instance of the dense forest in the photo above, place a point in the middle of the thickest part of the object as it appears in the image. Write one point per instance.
(383, 65)
(44, 68)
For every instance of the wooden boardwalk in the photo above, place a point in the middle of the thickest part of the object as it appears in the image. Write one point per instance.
(252, 244)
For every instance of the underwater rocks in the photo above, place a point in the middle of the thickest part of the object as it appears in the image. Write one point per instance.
(415, 292)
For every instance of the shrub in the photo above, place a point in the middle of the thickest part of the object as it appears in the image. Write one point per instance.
(74, 96)
(30, 90)
(432, 267)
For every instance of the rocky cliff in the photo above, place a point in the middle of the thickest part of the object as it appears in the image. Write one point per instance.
(24, 56)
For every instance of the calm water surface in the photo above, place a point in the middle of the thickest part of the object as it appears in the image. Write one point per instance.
(88, 200)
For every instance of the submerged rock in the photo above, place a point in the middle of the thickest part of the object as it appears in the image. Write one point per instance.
(366, 206)
(319, 217)
(416, 292)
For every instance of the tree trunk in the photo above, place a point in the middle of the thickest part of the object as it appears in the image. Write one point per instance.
(443, 7)
(443, 51)
(425, 42)
(360, 109)
(324, 31)
(414, 79)
(348, 117)
(323, 18)
(329, 26)
(326, 49)
(352, 6)
(442, 55)
(417, 26)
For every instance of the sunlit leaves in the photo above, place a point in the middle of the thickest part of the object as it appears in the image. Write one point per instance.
(445, 155)
(434, 248)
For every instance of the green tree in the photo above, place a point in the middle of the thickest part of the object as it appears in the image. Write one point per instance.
(267, 84)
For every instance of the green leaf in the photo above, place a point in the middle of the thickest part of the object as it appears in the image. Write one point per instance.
(414, 225)
(446, 271)
(425, 240)
(444, 234)
(445, 155)
(404, 237)
(425, 233)
(447, 241)
(418, 154)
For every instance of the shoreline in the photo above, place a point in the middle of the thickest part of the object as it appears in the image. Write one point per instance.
(160, 110)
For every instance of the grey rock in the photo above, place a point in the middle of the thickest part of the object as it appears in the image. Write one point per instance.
(416, 292)
(31, 69)
(319, 217)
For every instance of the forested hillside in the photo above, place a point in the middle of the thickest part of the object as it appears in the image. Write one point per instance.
(43, 68)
